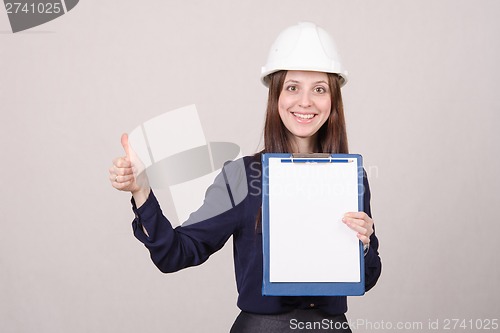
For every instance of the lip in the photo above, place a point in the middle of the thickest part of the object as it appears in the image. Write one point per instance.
(303, 120)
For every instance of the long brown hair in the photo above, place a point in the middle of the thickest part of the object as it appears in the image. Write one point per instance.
(332, 136)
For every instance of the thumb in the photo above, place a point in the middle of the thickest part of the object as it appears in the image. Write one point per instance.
(124, 140)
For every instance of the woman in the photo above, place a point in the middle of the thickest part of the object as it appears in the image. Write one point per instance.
(304, 115)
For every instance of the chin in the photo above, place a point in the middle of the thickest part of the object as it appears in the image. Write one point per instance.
(303, 135)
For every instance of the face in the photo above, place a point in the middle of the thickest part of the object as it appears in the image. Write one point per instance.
(304, 105)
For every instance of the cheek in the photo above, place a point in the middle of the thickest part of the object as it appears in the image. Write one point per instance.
(282, 107)
(326, 106)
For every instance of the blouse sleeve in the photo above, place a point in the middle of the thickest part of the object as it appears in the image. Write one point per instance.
(205, 232)
(373, 265)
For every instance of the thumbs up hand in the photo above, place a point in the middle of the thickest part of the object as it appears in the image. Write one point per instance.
(127, 174)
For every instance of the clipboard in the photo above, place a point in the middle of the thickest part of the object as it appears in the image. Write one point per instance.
(307, 249)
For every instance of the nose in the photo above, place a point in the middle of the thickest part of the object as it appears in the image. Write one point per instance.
(305, 100)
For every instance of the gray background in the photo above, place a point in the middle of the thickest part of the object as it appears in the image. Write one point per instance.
(422, 108)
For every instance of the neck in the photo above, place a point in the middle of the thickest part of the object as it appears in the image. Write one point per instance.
(303, 145)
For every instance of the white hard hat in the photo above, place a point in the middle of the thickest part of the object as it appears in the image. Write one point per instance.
(305, 47)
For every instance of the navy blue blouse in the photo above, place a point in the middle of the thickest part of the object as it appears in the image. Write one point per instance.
(231, 207)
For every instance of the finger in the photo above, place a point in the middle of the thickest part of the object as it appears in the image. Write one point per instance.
(357, 215)
(363, 227)
(357, 221)
(356, 227)
(121, 186)
(126, 147)
(121, 179)
(113, 178)
(364, 239)
(115, 171)
(122, 162)
(123, 171)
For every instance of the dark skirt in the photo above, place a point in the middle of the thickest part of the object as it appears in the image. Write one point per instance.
(310, 321)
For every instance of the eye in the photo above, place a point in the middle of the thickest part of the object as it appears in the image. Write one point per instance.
(320, 90)
(292, 88)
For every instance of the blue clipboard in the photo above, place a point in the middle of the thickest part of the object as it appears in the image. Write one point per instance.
(322, 272)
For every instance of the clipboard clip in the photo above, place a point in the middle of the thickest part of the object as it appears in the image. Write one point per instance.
(311, 158)
(311, 155)
(314, 158)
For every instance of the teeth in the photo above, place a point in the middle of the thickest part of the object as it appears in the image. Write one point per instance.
(303, 116)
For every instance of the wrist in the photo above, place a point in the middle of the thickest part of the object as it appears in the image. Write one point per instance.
(140, 196)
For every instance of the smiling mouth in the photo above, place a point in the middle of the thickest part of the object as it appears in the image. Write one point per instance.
(304, 116)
